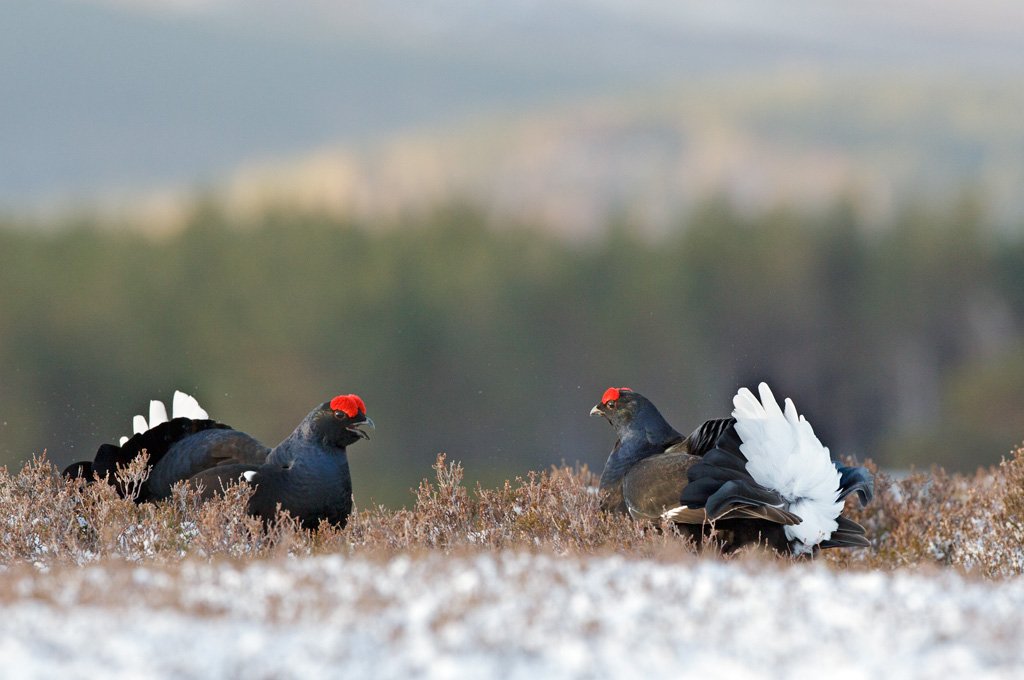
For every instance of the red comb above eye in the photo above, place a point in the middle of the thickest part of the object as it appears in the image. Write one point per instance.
(612, 393)
(349, 404)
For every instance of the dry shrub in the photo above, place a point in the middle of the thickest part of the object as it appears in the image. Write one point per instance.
(974, 523)
(51, 520)
(47, 519)
(552, 510)
(1001, 541)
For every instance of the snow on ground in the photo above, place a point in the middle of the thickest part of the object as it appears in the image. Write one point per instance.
(512, 615)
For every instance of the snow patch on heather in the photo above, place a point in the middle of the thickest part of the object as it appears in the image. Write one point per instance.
(513, 615)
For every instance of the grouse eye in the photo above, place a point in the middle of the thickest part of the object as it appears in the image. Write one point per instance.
(611, 404)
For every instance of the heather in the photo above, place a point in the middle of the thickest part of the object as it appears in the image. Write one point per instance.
(924, 520)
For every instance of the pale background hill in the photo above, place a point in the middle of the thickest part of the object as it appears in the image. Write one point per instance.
(556, 111)
(766, 141)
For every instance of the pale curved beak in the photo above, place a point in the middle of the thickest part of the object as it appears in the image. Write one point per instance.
(355, 428)
(596, 412)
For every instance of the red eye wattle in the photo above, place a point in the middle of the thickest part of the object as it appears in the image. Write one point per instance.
(613, 393)
(349, 404)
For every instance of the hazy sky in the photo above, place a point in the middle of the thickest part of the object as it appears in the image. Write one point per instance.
(128, 94)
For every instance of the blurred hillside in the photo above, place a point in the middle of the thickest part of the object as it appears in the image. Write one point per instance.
(548, 112)
(782, 139)
(492, 344)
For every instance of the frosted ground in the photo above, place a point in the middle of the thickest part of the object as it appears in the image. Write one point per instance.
(510, 615)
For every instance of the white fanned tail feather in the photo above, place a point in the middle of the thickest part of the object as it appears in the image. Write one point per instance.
(784, 455)
(182, 406)
(185, 406)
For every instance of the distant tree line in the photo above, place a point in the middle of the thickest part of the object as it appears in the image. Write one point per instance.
(491, 342)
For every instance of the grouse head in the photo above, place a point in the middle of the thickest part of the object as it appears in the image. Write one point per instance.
(620, 406)
(339, 421)
(628, 411)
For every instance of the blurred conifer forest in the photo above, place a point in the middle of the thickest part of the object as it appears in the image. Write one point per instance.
(490, 342)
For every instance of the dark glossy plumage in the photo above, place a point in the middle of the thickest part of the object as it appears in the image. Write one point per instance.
(306, 474)
(655, 473)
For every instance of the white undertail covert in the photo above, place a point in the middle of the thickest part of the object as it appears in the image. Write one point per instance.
(784, 455)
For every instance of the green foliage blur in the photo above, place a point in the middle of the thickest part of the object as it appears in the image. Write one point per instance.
(491, 342)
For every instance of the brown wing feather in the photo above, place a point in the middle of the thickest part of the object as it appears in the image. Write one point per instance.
(653, 485)
(682, 446)
(777, 515)
(241, 450)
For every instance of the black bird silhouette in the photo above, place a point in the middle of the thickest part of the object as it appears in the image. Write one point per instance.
(306, 474)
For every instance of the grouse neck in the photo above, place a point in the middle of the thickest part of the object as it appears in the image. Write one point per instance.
(647, 433)
(306, 442)
(635, 444)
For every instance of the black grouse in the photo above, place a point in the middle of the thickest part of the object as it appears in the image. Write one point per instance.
(307, 474)
(760, 476)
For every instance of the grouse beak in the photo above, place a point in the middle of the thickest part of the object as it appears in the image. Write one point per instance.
(355, 428)
(596, 411)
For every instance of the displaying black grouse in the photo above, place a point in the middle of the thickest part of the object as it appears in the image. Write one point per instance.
(307, 474)
(761, 476)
